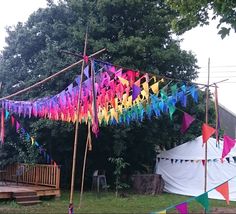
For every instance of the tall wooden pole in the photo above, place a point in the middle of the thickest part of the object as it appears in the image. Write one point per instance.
(207, 107)
(77, 122)
(89, 131)
(84, 165)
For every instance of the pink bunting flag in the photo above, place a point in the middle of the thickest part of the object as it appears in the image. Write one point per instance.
(228, 145)
(182, 208)
(17, 126)
(186, 122)
(2, 126)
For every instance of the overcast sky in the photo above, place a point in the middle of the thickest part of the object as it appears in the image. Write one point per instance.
(202, 41)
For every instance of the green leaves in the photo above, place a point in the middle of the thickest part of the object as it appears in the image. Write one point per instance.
(192, 13)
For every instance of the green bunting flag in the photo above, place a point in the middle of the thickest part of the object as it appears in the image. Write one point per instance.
(203, 200)
(171, 111)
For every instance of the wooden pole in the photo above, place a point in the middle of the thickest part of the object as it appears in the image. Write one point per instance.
(207, 107)
(50, 77)
(84, 165)
(94, 120)
(77, 123)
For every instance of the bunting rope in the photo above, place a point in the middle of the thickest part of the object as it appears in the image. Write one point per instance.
(50, 77)
(202, 199)
(24, 134)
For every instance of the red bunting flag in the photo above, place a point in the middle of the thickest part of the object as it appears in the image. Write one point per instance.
(186, 122)
(224, 191)
(228, 145)
(207, 132)
(12, 121)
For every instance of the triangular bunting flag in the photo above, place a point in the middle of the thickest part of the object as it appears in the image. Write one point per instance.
(207, 132)
(228, 145)
(186, 122)
(12, 121)
(159, 212)
(224, 191)
(155, 87)
(203, 200)
(6, 114)
(123, 81)
(32, 141)
(135, 91)
(182, 208)
(171, 111)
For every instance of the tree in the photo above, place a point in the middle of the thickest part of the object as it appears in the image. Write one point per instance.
(191, 13)
(137, 34)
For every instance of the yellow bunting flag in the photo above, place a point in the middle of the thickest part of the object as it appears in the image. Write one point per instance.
(120, 108)
(145, 87)
(124, 81)
(155, 87)
(162, 212)
(32, 141)
(114, 114)
(129, 102)
(124, 99)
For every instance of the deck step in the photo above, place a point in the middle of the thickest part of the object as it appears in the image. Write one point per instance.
(29, 203)
(24, 193)
(27, 198)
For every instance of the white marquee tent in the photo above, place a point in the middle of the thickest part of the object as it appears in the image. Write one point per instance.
(183, 171)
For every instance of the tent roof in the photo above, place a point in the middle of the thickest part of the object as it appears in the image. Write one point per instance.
(194, 150)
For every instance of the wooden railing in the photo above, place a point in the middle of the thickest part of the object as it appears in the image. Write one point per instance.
(38, 174)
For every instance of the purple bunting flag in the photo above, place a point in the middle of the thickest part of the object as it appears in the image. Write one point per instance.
(135, 91)
(186, 122)
(182, 208)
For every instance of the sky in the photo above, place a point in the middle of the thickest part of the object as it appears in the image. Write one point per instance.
(204, 42)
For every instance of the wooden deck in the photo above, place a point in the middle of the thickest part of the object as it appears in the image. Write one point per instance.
(44, 180)
(8, 189)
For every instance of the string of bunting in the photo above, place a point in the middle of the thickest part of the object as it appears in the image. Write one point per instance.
(202, 199)
(175, 161)
(28, 138)
(207, 132)
(122, 96)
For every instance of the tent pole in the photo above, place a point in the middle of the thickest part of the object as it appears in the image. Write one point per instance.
(77, 122)
(207, 107)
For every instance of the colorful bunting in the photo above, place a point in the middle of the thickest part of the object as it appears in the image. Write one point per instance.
(112, 96)
(224, 191)
(207, 132)
(186, 122)
(228, 145)
(182, 208)
(24, 134)
(203, 200)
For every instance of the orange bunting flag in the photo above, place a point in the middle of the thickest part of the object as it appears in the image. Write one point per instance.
(207, 132)
(224, 191)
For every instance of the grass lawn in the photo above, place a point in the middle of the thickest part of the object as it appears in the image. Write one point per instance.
(108, 203)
